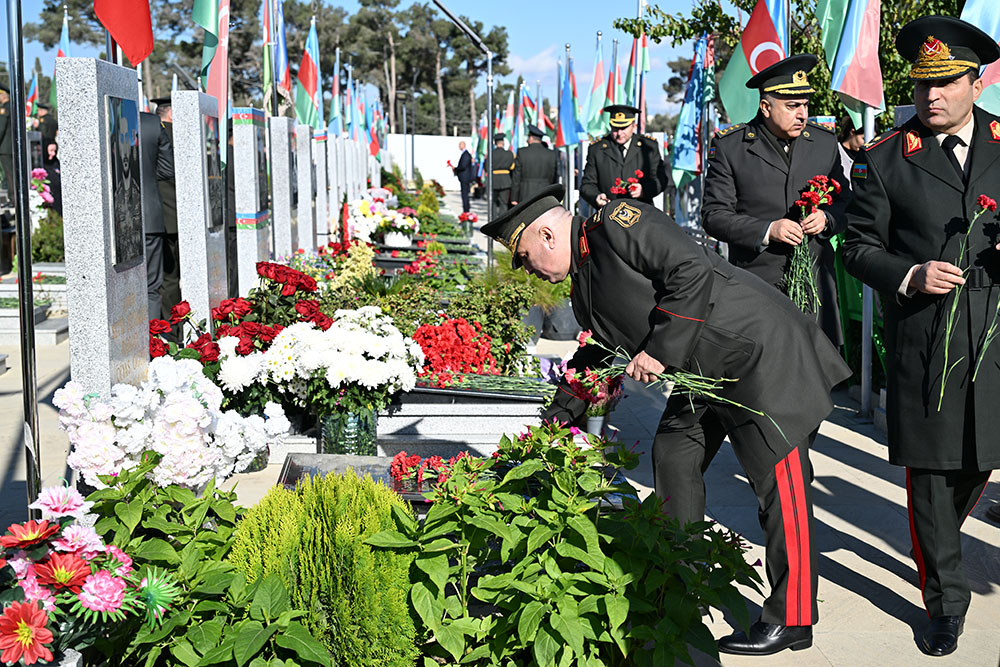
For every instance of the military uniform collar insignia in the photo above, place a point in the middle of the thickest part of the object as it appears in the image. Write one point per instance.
(912, 143)
(994, 132)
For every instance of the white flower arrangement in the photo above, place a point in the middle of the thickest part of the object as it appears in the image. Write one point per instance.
(367, 216)
(175, 413)
(361, 358)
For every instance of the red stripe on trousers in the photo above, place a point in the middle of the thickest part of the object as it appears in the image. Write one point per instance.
(795, 518)
(918, 555)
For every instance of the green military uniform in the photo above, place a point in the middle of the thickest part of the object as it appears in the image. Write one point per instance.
(535, 168)
(503, 167)
(913, 202)
(605, 163)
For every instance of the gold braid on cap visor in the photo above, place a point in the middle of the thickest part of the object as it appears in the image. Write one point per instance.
(934, 61)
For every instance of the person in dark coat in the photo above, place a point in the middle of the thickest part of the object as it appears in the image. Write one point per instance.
(503, 166)
(618, 155)
(156, 162)
(47, 125)
(756, 172)
(466, 174)
(642, 284)
(53, 170)
(171, 290)
(6, 142)
(536, 167)
(915, 197)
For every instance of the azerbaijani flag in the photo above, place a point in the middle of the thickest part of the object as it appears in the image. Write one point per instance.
(630, 74)
(267, 66)
(31, 103)
(206, 14)
(595, 124)
(530, 110)
(482, 139)
(685, 157)
(644, 66)
(308, 99)
(850, 40)
(63, 52)
(281, 51)
(336, 121)
(519, 134)
(508, 120)
(984, 15)
(350, 119)
(216, 74)
(763, 43)
(569, 131)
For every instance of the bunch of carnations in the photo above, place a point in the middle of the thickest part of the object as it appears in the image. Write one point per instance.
(622, 187)
(426, 263)
(177, 415)
(800, 277)
(453, 348)
(985, 204)
(360, 361)
(468, 216)
(62, 587)
(600, 393)
(404, 468)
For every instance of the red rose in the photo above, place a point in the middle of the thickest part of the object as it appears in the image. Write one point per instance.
(280, 273)
(209, 353)
(159, 327)
(307, 283)
(202, 340)
(245, 346)
(322, 321)
(241, 307)
(157, 348)
(307, 308)
(222, 330)
(288, 289)
(266, 334)
(251, 328)
(179, 312)
(266, 270)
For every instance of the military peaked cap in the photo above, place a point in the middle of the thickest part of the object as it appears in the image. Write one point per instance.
(785, 77)
(943, 47)
(509, 226)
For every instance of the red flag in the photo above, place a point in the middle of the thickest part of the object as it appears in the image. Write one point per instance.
(129, 23)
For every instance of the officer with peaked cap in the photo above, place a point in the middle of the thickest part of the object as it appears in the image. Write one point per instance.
(503, 167)
(915, 198)
(535, 168)
(617, 156)
(756, 173)
(642, 284)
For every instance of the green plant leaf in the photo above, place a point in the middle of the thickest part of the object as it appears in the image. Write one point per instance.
(569, 629)
(296, 638)
(491, 525)
(404, 521)
(526, 469)
(538, 536)
(153, 655)
(527, 624)
(271, 599)
(130, 513)
(250, 640)
(617, 609)
(436, 568)
(185, 653)
(157, 551)
(390, 539)
(425, 604)
(204, 635)
(451, 640)
(545, 647)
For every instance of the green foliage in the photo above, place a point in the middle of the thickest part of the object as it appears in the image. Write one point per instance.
(437, 225)
(405, 199)
(355, 597)
(517, 563)
(428, 199)
(499, 307)
(418, 179)
(218, 618)
(47, 240)
(544, 294)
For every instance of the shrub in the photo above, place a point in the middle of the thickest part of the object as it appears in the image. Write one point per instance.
(355, 597)
(405, 199)
(428, 199)
(418, 178)
(47, 240)
(499, 307)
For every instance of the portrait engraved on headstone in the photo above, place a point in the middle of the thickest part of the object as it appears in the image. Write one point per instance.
(126, 194)
(213, 170)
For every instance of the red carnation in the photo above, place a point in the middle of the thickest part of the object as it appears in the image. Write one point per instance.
(638, 173)
(179, 312)
(986, 203)
(157, 348)
(159, 327)
(836, 187)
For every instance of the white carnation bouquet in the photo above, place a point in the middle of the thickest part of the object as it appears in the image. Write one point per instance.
(176, 413)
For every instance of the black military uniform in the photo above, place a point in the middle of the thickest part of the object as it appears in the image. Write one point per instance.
(6, 145)
(157, 162)
(913, 202)
(48, 126)
(171, 290)
(606, 163)
(641, 283)
(503, 167)
(535, 168)
(754, 179)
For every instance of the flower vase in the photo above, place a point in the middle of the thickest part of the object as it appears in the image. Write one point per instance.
(397, 240)
(260, 461)
(595, 424)
(349, 433)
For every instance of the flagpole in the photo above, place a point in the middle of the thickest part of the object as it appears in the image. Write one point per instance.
(867, 304)
(569, 156)
(271, 14)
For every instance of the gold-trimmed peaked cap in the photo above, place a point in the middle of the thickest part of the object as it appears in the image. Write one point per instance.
(622, 115)
(785, 77)
(509, 226)
(943, 47)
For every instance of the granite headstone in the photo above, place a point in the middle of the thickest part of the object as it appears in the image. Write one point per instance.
(282, 172)
(307, 210)
(253, 233)
(322, 210)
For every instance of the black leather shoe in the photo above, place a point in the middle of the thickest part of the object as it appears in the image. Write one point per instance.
(941, 636)
(766, 638)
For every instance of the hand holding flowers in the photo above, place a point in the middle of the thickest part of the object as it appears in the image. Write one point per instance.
(800, 277)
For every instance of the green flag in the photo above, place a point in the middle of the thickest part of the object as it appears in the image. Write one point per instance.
(206, 14)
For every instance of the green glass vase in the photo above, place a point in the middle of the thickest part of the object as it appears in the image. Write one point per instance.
(349, 433)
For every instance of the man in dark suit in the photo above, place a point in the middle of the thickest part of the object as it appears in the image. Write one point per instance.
(756, 173)
(171, 290)
(503, 166)
(156, 162)
(915, 198)
(642, 284)
(466, 174)
(617, 156)
(6, 141)
(47, 125)
(536, 167)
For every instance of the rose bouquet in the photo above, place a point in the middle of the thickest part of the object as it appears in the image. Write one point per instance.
(800, 278)
(62, 587)
(175, 415)
(600, 393)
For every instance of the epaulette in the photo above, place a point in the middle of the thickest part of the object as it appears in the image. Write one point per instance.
(820, 126)
(882, 138)
(595, 140)
(646, 136)
(729, 130)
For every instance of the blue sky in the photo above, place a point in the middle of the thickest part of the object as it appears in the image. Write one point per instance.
(538, 33)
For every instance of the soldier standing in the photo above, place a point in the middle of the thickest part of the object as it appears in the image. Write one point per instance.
(535, 168)
(618, 156)
(759, 169)
(503, 165)
(915, 197)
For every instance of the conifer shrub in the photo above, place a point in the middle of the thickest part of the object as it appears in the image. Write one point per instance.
(313, 537)
(428, 199)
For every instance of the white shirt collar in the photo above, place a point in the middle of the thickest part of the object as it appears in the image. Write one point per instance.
(965, 134)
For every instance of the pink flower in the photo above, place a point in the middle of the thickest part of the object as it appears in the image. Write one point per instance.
(60, 501)
(584, 337)
(39, 173)
(23, 566)
(81, 540)
(575, 431)
(34, 591)
(121, 557)
(102, 591)
(47, 197)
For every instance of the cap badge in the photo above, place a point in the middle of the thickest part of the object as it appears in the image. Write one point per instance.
(913, 142)
(619, 116)
(799, 77)
(934, 49)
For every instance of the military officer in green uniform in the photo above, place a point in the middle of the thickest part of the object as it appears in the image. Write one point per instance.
(915, 197)
(618, 155)
(535, 168)
(756, 172)
(642, 284)
(503, 167)
(6, 141)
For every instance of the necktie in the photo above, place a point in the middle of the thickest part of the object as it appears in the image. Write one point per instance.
(948, 145)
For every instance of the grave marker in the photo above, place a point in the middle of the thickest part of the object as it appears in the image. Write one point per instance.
(283, 156)
(306, 179)
(322, 211)
(253, 234)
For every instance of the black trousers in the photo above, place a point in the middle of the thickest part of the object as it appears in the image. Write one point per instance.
(170, 291)
(938, 502)
(501, 201)
(154, 274)
(686, 442)
(465, 195)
